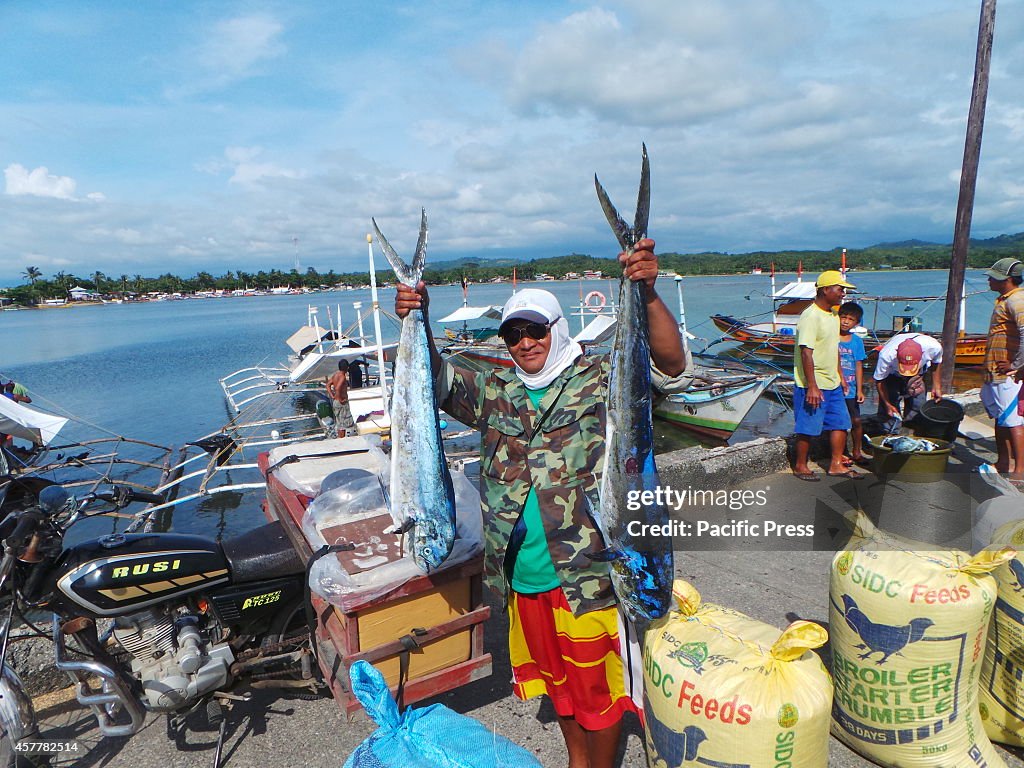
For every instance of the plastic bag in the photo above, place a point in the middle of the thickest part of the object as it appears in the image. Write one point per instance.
(993, 514)
(721, 688)
(908, 626)
(361, 498)
(432, 737)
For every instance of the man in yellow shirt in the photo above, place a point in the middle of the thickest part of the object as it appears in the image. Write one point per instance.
(819, 401)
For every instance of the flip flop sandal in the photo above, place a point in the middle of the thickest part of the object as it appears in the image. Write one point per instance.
(850, 475)
(807, 477)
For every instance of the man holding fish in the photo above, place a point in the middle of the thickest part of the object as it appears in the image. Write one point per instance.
(543, 437)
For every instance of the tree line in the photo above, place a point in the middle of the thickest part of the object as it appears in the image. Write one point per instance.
(895, 256)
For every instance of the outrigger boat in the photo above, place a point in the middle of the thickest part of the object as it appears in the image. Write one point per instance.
(776, 337)
(713, 407)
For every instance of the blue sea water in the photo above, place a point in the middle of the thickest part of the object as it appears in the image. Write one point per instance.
(150, 370)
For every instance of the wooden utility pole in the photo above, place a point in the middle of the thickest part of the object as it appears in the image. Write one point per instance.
(968, 182)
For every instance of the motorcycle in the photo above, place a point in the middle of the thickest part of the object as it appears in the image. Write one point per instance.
(163, 622)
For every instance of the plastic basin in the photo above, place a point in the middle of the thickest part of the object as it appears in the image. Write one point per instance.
(939, 419)
(920, 467)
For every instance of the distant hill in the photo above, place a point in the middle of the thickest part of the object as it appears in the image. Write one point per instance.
(902, 244)
(906, 254)
(473, 261)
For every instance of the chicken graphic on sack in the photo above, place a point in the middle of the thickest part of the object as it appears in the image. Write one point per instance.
(885, 639)
(675, 749)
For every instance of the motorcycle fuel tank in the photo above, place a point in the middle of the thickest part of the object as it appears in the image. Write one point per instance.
(125, 572)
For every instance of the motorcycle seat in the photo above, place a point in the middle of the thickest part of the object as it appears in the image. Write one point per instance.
(262, 553)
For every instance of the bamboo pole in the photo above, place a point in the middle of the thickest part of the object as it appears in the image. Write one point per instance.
(968, 182)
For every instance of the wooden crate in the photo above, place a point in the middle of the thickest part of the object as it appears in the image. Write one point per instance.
(442, 612)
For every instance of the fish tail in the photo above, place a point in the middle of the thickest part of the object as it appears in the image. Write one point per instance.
(407, 274)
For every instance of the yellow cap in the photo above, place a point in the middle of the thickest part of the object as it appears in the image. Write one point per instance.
(831, 277)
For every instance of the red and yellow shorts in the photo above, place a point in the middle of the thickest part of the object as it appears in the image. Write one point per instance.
(575, 661)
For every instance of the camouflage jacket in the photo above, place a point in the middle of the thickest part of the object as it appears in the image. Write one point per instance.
(558, 449)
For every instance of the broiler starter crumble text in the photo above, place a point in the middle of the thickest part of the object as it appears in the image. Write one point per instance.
(892, 696)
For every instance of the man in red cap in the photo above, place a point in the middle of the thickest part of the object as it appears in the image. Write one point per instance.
(899, 376)
(1004, 365)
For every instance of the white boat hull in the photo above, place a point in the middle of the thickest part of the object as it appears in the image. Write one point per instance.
(716, 410)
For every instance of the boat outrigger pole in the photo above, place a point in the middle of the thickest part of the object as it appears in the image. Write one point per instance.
(376, 323)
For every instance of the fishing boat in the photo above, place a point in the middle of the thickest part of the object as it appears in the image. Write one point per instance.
(776, 338)
(713, 407)
(93, 458)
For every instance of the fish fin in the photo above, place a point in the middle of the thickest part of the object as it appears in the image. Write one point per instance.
(419, 258)
(604, 556)
(405, 527)
(619, 227)
(643, 200)
(406, 274)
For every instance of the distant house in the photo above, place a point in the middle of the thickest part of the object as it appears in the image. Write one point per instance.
(885, 266)
(78, 293)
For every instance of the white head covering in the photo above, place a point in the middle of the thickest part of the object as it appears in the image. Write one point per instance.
(539, 306)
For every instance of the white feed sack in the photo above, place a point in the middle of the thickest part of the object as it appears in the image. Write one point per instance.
(722, 689)
(908, 627)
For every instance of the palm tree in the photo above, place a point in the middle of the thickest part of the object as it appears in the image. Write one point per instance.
(97, 277)
(33, 274)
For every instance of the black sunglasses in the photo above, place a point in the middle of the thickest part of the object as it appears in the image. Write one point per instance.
(514, 335)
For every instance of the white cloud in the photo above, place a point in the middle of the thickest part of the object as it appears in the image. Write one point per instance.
(235, 46)
(231, 50)
(247, 169)
(38, 182)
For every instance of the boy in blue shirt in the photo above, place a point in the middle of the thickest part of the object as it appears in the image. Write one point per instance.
(851, 357)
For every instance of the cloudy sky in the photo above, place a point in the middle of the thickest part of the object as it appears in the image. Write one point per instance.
(141, 138)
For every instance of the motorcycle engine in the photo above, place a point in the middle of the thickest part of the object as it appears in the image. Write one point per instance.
(173, 656)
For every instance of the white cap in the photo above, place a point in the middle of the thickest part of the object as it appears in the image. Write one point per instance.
(532, 304)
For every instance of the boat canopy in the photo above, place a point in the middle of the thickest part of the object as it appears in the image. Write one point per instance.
(28, 423)
(796, 290)
(468, 314)
(308, 336)
(597, 330)
(320, 365)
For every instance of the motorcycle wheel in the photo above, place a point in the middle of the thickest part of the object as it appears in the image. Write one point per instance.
(289, 624)
(290, 627)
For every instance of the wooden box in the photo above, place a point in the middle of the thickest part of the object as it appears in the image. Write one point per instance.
(436, 619)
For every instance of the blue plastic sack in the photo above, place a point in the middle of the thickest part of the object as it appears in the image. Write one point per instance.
(432, 737)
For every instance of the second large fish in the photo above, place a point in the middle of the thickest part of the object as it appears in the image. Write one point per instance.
(421, 485)
(641, 563)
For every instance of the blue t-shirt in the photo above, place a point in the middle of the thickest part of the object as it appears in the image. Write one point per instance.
(850, 353)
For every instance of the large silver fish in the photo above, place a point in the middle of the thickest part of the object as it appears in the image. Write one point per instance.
(421, 486)
(641, 564)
